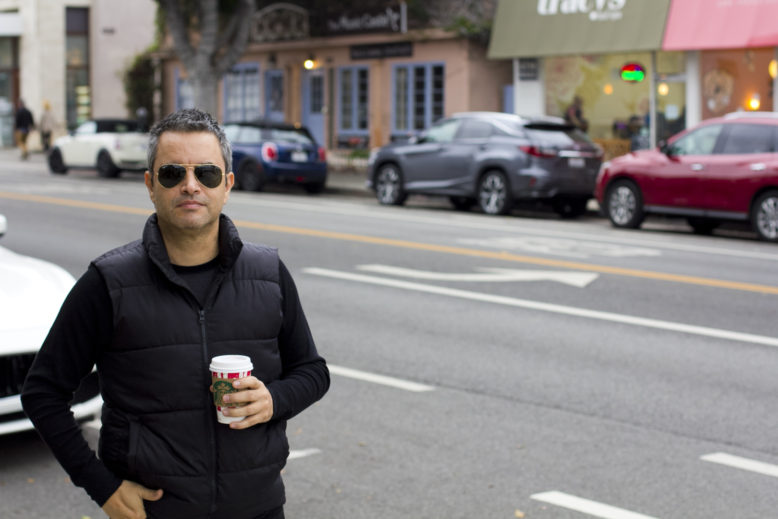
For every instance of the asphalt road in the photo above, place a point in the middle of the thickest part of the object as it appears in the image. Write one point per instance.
(483, 367)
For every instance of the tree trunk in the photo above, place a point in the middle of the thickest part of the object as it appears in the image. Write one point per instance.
(205, 88)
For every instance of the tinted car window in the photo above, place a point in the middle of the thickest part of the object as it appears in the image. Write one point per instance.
(701, 141)
(87, 128)
(748, 138)
(474, 129)
(117, 126)
(293, 136)
(250, 135)
(557, 136)
(443, 131)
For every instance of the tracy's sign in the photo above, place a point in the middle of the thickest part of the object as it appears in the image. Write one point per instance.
(597, 10)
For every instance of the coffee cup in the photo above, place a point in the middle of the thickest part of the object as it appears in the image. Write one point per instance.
(224, 370)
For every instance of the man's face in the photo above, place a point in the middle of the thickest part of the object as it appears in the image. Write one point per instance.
(188, 206)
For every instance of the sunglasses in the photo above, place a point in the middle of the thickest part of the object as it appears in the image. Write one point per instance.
(209, 175)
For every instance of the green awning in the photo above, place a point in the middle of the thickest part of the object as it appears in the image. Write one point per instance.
(524, 28)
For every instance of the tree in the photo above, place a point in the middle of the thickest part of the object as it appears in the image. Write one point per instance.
(209, 36)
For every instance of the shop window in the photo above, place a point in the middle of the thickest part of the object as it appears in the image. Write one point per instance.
(241, 93)
(353, 85)
(418, 98)
(184, 93)
(78, 94)
(274, 95)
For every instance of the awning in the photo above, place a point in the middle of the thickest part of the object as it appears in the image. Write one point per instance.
(10, 24)
(721, 24)
(558, 27)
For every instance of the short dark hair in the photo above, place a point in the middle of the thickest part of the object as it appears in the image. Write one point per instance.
(188, 120)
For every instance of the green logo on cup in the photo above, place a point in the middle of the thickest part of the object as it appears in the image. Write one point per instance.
(221, 387)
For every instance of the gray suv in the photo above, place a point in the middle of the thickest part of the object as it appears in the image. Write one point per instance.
(491, 159)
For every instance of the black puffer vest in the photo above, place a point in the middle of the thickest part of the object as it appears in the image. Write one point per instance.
(159, 422)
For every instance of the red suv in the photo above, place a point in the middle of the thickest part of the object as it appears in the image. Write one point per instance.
(722, 169)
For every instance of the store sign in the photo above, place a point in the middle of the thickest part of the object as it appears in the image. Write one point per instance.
(382, 50)
(633, 73)
(390, 19)
(529, 69)
(597, 10)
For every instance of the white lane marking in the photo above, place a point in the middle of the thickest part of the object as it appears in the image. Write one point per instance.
(576, 248)
(301, 453)
(548, 307)
(576, 279)
(508, 224)
(742, 463)
(586, 506)
(379, 379)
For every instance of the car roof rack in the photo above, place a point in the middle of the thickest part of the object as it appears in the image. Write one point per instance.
(743, 113)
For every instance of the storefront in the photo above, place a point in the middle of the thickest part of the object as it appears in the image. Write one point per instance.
(355, 79)
(607, 53)
(645, 68)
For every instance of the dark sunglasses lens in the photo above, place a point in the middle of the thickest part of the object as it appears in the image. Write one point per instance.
(209, 175)
(170, 175)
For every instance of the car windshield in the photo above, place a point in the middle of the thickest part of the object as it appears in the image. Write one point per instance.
(557, 135)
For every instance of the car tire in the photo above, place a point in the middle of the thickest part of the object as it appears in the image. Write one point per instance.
(702, 225)
(314, 188)
(389, 185)
(251, 176)
(462, 203)
(570, 207)
(494, 193)
(105, 166)
(624, 205)
(764, 216)
(56, 162)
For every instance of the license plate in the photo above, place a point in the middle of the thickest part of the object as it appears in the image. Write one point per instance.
(576, 162)
(299, 156)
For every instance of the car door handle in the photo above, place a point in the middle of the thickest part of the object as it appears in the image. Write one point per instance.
(697, 166)
(759, 166)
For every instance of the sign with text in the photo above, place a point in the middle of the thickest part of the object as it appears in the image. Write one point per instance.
(382, 50)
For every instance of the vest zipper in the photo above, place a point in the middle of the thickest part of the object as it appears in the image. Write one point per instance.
(212, 438)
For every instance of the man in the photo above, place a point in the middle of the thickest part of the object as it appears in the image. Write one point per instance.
(574, 114)
(23, 124)
(151, 315)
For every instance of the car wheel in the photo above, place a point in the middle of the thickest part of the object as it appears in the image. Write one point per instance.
(494, 193)
(570, 207)
(105, 166)
(389, 185)
(250, 176)
(702, 225)
(462, 203)
(624, 205)
(56, 162)
(764, 216)
(314, 188)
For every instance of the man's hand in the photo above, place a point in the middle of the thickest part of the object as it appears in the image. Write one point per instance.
(260, 403)
(127, 501)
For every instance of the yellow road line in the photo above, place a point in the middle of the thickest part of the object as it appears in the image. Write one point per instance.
(429, 247)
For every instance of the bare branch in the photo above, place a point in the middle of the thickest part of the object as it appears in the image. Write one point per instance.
(237, 42)
(179, 31)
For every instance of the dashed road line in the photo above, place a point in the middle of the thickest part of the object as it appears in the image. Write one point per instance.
(738, 462)
(586, 506)
(379, 379)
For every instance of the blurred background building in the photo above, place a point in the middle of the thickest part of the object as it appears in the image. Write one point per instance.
(71, 54)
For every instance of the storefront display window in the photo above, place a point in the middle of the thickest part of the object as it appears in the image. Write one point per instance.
(417, 98)
(241, 93)
(353, 85)
(734, 80)
(617, 109)
(78, 95)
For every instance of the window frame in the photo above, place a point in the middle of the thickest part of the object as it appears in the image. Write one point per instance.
(429, 117)
(243, 71)
(355, 130)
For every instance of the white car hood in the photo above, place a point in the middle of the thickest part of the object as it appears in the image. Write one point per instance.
(31, 293)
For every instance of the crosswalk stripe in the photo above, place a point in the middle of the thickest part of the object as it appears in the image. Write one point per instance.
(759, 467)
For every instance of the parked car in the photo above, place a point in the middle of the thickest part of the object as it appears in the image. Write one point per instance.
(110, 145)
(270, 152)
(31, 295)
(493, 160)
(722, 169)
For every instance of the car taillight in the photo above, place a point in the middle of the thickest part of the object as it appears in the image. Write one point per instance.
(322, 154)
(539, 151)
(269, 152)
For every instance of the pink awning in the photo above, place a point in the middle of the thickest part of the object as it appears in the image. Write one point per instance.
(721, 24)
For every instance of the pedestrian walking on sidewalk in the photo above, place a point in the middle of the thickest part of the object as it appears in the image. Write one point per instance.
(23, 125)
(46, 126)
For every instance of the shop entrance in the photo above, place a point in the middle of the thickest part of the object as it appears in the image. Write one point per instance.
(313, 103)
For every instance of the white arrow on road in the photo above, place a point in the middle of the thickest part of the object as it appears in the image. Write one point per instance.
(577, 279)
